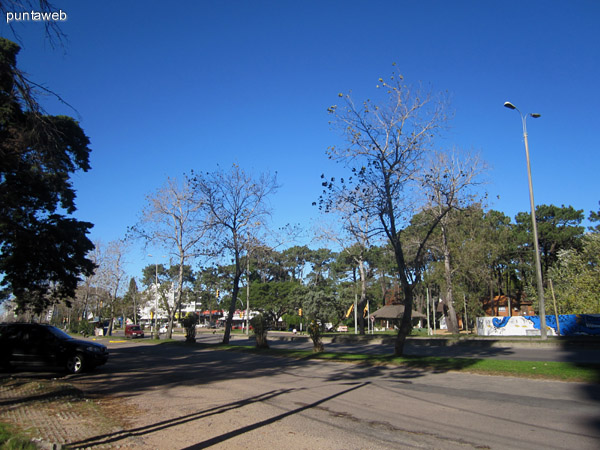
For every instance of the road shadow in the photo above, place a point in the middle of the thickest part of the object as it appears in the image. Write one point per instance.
(449, 349)
(112, 438)
(585, 351)
(135, 368)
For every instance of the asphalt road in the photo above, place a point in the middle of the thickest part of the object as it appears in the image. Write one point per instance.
(525, 351)
(185, 397)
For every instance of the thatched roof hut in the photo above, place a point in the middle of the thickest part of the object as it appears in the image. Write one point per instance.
(394, 312)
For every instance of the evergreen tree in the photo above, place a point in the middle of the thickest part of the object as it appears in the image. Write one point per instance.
(42, 250)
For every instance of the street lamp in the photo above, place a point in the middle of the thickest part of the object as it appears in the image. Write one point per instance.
(538, 265)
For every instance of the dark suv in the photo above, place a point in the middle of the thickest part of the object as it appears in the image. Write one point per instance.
(44, 346)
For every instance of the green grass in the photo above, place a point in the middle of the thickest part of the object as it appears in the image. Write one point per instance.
(10, 439)
(563, 371)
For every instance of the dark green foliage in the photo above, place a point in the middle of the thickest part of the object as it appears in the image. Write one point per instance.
(189, 323)
(292, 320)
(322, 306)
(315, 331)
(594, 217)
(295, 258)
(273, 298)
(259, 326)
(42, 252)
(558, 228)
(82, 327)
(152, 272)
(131, 299)
(164, 274)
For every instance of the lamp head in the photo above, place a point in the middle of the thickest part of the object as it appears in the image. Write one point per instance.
(535, 116)
(509, 105)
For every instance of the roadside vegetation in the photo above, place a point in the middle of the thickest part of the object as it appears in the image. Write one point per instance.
(11, 439)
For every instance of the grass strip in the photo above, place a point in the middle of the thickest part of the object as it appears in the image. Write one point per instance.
(10, 439)
(549, 370)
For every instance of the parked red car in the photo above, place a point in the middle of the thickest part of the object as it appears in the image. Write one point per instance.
(133, 331)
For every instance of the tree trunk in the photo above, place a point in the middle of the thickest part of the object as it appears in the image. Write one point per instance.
(406, 322)
(363, 297)
(178, 295)
(112, 315)
(449, 311)
(234, 295)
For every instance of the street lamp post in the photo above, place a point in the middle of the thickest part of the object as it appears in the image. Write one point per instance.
(538, 265)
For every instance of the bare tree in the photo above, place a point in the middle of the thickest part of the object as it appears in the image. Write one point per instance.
(358, 232)
(174, 219)
(54, 34)
(236, 208)
(447, 185)
(88, 288)
(113, 273)
(385, 149)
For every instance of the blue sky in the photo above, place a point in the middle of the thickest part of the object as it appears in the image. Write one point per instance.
(165, 87)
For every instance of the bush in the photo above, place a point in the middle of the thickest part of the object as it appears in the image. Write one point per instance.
(259, 327)
(82, 327)
(189, 323)
(315, 332)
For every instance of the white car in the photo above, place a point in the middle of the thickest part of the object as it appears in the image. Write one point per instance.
(162, 329)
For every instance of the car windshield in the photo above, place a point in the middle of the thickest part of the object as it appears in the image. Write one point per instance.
(59, 333)
(134, 327)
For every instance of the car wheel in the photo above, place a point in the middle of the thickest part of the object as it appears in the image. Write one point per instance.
(75, 363)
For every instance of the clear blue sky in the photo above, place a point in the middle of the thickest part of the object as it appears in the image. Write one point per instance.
(165, 87)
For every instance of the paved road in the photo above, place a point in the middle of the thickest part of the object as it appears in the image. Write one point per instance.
(483, 349)
(181, 397)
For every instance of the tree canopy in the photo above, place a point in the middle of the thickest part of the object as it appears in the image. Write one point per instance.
(42, 250)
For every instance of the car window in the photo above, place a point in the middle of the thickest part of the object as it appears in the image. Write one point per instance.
(37, 334)
(58, 333)
(7, 332)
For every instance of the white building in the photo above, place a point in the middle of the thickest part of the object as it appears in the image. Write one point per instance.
(155, 304)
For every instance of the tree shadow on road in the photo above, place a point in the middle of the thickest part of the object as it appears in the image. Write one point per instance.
(581, 352)
(133, 369)
(166, 424)
(221, 409)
